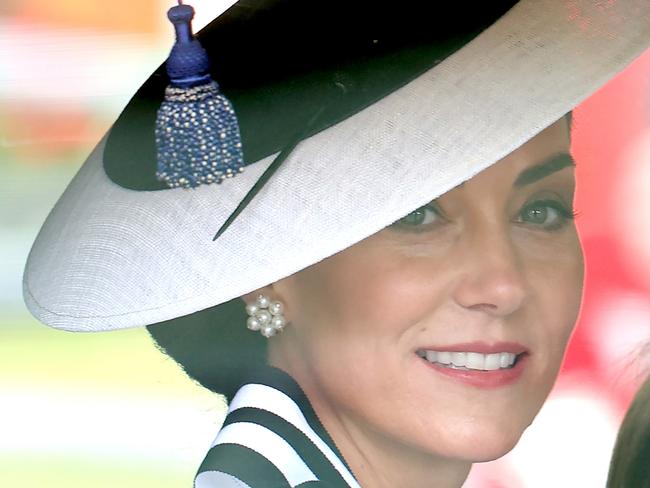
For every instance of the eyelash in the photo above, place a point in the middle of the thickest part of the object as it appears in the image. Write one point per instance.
(402, 225)
(565, 215)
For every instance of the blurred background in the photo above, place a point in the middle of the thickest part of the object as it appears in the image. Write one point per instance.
(109, 410)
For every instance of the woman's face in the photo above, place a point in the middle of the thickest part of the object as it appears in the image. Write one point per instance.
(493, 266)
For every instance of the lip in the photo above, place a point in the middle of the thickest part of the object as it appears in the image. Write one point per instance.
(482, 379)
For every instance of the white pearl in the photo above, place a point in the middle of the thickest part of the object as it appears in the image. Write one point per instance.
(251, 308)
(276, 308)
(278, 322)
(268, 331)
(263, 316)
(253, 324)
(263, 301)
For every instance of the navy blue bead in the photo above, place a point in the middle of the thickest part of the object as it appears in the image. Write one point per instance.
(197, 137)
(197, 132)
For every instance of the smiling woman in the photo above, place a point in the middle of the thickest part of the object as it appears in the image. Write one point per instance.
(491, 272)
(401, 237)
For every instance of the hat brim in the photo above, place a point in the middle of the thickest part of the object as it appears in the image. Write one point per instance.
(110, 258)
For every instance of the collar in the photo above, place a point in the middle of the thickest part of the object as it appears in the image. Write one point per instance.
(272, 416)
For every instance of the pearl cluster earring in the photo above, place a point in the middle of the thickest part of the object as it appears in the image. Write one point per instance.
(266, 316)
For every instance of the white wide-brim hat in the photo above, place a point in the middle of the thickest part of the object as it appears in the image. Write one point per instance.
(113, 255)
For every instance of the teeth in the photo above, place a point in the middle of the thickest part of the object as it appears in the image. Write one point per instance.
(475, 360)
(507, 359)
(493, 361)
(470, 360)
(458, 358)
(444, 357)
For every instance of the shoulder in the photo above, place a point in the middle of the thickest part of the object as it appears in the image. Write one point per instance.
(230, 465)
(253, 451)
(237, 466)
(211, 479)
(271, 438)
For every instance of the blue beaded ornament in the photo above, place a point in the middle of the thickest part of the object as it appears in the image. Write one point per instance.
(197, 133)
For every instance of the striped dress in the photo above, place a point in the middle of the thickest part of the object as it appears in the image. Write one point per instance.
(271, 438)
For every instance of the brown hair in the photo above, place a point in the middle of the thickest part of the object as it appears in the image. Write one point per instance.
(630, 464)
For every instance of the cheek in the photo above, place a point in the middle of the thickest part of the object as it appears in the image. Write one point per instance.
(356, 313)
(362, 292)
(557, 279)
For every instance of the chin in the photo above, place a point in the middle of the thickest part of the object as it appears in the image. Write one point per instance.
(482, 446)
(486, 454)
(483, 453)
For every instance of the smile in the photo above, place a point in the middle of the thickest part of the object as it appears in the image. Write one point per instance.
(475, 361)
(478, 364)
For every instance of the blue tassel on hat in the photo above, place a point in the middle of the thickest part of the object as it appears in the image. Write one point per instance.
(197, 134)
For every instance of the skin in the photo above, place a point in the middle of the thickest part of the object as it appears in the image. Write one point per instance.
(483, 266)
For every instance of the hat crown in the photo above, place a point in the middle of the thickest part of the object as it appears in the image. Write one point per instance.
(277, 84)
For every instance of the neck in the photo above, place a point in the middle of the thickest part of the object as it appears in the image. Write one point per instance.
(378, 461)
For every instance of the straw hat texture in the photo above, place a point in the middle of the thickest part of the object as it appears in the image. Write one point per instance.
(414, 102)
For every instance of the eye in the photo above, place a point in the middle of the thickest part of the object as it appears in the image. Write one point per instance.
(547, 214)
(424, 216)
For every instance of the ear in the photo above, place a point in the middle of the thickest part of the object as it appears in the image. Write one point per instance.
(266, 311)
(252, 296)
(272, 292)
(265, 290)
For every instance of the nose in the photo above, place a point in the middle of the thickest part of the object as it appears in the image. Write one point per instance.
(491, 277)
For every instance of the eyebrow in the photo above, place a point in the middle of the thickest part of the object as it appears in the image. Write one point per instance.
(544, 169)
